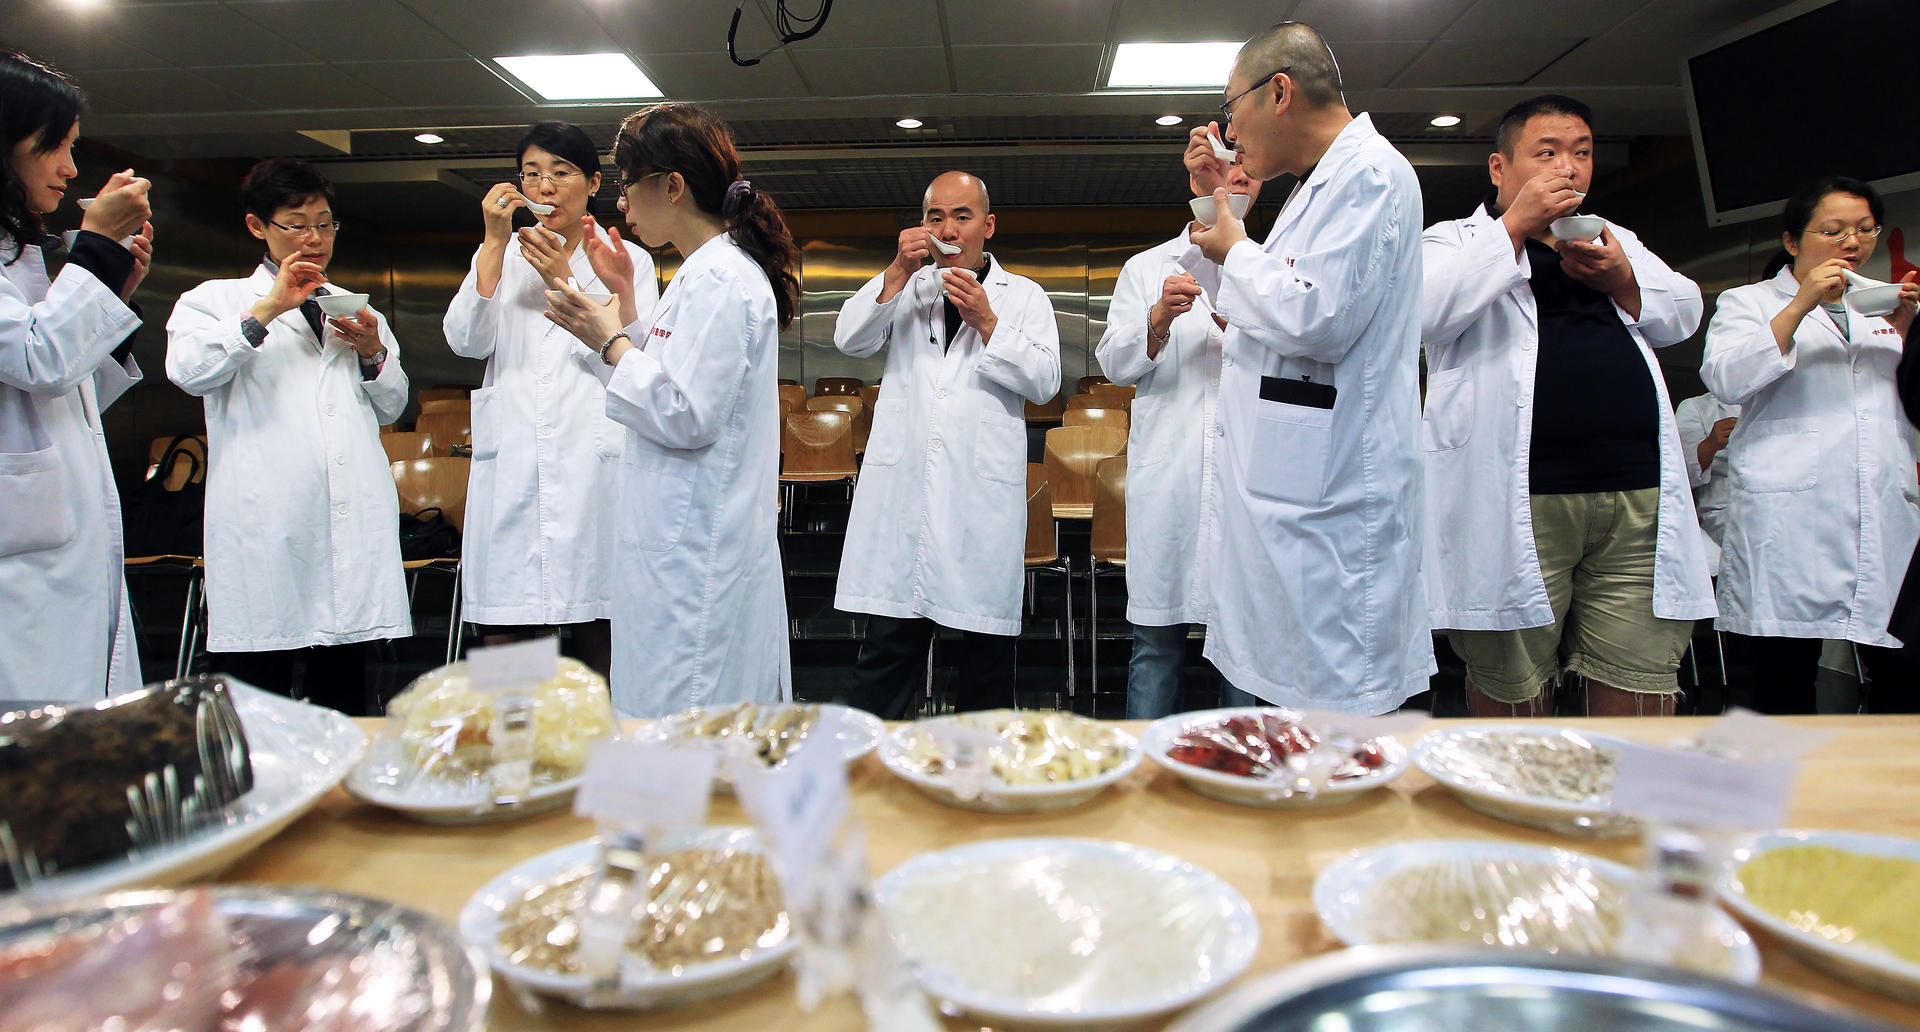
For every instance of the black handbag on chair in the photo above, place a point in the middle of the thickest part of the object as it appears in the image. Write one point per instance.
(427, 534)
(158, 521)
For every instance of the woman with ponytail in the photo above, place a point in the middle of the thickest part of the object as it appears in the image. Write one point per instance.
(699, 612)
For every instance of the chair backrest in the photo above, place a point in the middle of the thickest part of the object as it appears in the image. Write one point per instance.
(1113, 417)
(838, 385)
(436, 483)
(444, 394)
(794, 395)
(1049, 411)
(415, 445)
(430, 405)
(1072, 453)
(1083, 401)
(1039, 516)
(185, 471)
(784, 382)
(1087, 382)
(1113, 395)
(447, 428)
(871, 395)
(1108, 540)
(818, 443)
(848, 403)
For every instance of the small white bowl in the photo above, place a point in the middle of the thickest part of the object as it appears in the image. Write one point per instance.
(1203, 207)
(341, 306)
(1583, 228)
(540, 209)
(86, 202)
(1874, 301)
(997, 796)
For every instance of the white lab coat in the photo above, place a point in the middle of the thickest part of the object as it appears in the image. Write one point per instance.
(1822, 519)
(537, 546)
(302, 539)
(1711, 487)
(1170, 453)
(68, 633)
(1315, 571)
(1482, 335)
(939, 521)
(700, 608)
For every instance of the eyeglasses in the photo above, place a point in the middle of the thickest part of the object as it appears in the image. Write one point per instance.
(1226, 110)
(1865, 233)
(559, 177)
(324, 229)
(623, 184)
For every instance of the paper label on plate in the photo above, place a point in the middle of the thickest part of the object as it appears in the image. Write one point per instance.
(970, 749)
(519, 666)
(800, 804)
(1362, 725)
(1692, 788)
(1749, 737)
(646, 785)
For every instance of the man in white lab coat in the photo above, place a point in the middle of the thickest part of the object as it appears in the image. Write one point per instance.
(1563, 533)
(1705, 424)
(936, 536)
(302, 540)
(1316, 597)
(1164, 338)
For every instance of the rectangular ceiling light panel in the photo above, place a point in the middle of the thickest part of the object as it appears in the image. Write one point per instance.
(581, 76)
(1167, 65)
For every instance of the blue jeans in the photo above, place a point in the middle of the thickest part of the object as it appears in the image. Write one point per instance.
(1231, 696)
(1154, 672)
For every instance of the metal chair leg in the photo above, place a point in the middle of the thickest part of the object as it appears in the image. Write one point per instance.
(1093, 629)
(186, 625)
(1067, 576)
(456, 627)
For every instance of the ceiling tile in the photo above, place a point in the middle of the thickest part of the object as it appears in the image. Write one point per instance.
(1371, 64)
(462, 83)
(368, 30)
(1156, 21)
(78, 42)
(679, 27)
(500, 29)
(1029, 69)
(172, 91)
(713, 77)
(1466, 62)
(1694, 20)
(880, 71)
(1499, 19)
(196, 34)
(1024, 21)
(1379, 19)
(1619, 61)
(299, 87)
(876, 23)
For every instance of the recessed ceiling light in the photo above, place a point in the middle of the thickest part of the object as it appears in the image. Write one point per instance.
(1148, 65)
(909, 123)
(1167, 120)
(581, 76)
(1444, 121)
(429, 138)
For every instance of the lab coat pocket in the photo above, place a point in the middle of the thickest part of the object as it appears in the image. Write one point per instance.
(34, 514)
(1291, 447)
(609, 438)
(1000, 448)
(662, 493)
(1447, 422)
(887, 439)
(1153, 447)
(483, 421)
(1777, 455)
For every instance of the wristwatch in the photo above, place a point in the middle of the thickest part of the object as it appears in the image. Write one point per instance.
(609, 343)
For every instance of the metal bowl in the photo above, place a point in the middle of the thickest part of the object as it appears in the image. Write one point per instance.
(1431, 989)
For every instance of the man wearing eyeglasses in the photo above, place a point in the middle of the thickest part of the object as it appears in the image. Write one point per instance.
(1315, 588)
(302, 552)
(1564, 534)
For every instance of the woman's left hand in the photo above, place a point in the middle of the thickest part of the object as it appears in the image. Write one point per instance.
(142, 247)
(574, 312)
(362, 333)
(545, 251)
(1902, 317)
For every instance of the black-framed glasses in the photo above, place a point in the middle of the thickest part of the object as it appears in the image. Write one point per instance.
(1226, 110)
(623, 183)
(322, 228)
(559, 177)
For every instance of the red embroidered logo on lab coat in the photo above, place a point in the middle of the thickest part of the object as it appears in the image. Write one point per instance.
(660, 332)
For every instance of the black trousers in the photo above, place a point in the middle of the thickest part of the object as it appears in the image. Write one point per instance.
(893, 666)
(334, 676)
(1784, 670)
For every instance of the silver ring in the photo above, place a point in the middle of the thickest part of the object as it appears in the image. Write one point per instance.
(503, 202)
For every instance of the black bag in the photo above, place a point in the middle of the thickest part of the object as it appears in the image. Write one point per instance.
(427, 534)
(156, 521)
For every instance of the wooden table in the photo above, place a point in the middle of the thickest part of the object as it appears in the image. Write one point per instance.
(1866, 779)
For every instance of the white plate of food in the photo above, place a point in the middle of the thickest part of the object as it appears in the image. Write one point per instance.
(297, 754)
(1533, 774)
(1042, 759)
(1502, 895)
(1239, 755)
(1064, 931)
(1846, 902)
(433, 761)
(716, 922)
(770, 732)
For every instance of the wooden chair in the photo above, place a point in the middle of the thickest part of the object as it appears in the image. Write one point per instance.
(1113, 395)
(414, 445)
(189, 467)
(1043, 555)
(817, 447)
(1087, 382)
(1072, 453)
(1107, 545)
(447, 429)
(434, 405)
(436, 483)
(1083, 401)
(794, 395)
(871, 395)
(1113, 417)
(1048, 412)
(861, 412)
(444, 393)
(849, 385)
(784, 382)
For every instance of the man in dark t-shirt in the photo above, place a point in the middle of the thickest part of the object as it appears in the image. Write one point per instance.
(1553, 460)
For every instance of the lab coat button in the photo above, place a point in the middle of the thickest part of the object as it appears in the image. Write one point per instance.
(546, 431)
(1521, 401)
(329, 410)
(935, 445)
(941, 394)
(546, 379)
(343, 509)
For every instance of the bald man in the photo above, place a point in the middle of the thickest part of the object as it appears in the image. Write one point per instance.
(937, 533)
(1315, 583)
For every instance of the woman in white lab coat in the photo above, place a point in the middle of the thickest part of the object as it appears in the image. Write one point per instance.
(537, 550)
(700, 613)
(67, 634)
(1822, 518)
